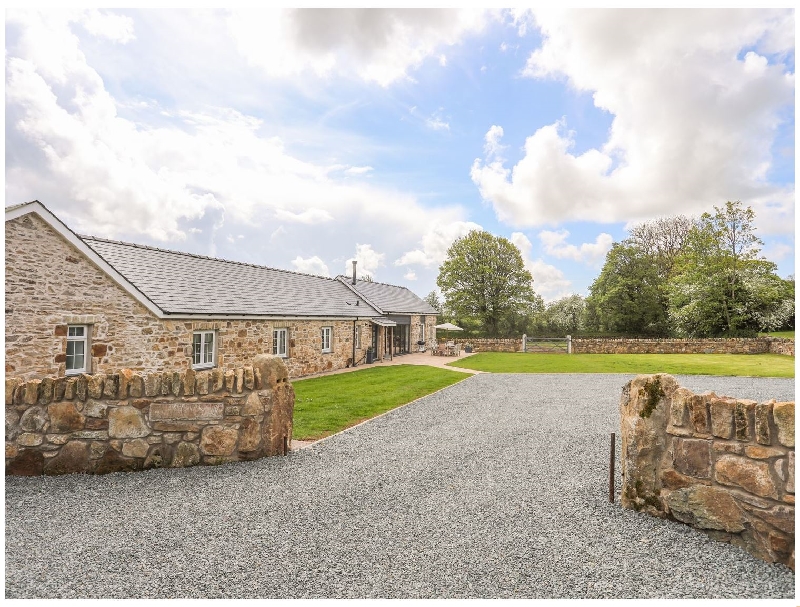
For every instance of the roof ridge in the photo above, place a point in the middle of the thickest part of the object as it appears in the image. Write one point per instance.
(197, 256)
(374, 282)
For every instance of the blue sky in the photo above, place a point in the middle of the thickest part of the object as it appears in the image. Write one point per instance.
(304, 139)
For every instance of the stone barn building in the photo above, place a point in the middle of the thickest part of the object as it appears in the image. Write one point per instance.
(79, 304)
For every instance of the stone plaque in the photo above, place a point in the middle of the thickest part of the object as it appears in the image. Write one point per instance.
(187, 411)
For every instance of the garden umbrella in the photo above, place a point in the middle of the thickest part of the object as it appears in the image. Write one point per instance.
(448, 326)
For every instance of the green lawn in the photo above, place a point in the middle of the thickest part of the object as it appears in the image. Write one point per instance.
(325, 405)
(784, 334)
(750, 365)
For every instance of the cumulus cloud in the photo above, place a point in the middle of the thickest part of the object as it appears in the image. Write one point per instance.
(548, 281)
(695, 103)
(368, 260)
(378, 45)
(437, 123)
(410, 275)
(312, 265)
(435, 242)
(114, 175)
(555, 245)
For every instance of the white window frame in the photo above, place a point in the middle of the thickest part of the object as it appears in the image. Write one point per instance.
(422, 330)
(276, 342)
(327, 337)
(78, 339)
(358, 338)
(203, 363)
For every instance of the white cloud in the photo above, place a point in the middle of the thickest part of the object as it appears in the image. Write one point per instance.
(435, 242)
(368, 260)
(117, 28)
(378, 45)
(555, 245)
(312, 265)
(437, 123)
(693, 123)
(548, 281)
(119, 176)
(410, 275)
(358, 170)
(443, 60)
(309, 216)
(492, 147)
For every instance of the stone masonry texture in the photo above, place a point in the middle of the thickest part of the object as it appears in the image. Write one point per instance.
(720, 464)
(50, 285)
(116, 429)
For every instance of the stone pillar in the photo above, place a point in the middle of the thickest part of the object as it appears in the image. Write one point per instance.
(644, 411)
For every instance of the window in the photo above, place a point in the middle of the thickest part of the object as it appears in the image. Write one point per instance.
(279, 342)
(203, 350)
(326, 339)
(358, 337)
(77, 342)
(422, 330)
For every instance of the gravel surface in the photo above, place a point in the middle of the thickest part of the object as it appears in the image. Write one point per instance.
(494, 487)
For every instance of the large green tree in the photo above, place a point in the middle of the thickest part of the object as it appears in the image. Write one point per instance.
(630, 294)
(721, 285)
(484, 277)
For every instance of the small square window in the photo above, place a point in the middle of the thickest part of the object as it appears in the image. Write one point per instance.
(326, 339)
(77, 348)
(279, 342)
(203, 350)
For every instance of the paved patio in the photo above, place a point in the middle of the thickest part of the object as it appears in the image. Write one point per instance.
(414, 358)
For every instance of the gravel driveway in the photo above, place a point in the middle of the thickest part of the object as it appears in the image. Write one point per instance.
(494, 487)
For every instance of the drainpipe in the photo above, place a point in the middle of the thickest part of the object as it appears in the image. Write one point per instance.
(354, 341)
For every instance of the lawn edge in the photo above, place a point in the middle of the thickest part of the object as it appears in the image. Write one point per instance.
(411, 402)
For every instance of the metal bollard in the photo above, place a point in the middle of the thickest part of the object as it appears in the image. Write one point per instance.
(611, 470)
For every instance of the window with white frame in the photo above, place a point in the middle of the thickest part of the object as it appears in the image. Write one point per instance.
(203, 350)
(422, 330)
(326, 338)
(358, 337)
(279, 342)
(77, 348)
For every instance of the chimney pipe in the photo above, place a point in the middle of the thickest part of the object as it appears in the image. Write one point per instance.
(354, 271)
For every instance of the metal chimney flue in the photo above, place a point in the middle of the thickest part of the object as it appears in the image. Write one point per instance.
(354, 271)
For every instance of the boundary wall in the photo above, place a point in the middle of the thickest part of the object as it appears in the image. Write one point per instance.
(129, 421)
(720, 464)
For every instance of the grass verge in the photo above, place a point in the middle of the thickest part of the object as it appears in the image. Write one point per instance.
(784, 334)
(326, 405)
(747, 365)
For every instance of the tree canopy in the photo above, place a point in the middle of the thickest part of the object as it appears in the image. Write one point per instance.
(484, 277)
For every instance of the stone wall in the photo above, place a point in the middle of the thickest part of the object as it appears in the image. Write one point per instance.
(720, 464)
(486, 344)
(754, 345)
(127, 421)
(49, 284)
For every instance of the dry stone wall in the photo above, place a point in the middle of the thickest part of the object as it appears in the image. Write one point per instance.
(752, 345)
(486, 344)
(129, 421)
(720, 464)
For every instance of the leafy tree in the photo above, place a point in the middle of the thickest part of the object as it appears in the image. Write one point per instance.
(485, 278)
(433, 299)
(629, 295)
(565, 316)
(721, 286)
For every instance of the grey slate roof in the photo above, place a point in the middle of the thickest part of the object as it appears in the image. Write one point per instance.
(391, 299)
(182, 283)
